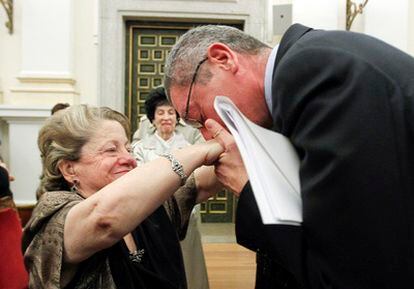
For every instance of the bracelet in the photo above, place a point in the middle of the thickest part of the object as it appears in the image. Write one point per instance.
(176, 166)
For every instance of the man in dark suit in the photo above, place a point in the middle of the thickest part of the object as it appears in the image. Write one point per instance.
(346, 102)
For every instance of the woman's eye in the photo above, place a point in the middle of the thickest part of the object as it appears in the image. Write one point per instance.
(112, 149)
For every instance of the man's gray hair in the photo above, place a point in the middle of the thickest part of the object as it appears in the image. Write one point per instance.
(192, 46)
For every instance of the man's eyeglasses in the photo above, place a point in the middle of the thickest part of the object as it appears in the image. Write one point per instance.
(193, 122)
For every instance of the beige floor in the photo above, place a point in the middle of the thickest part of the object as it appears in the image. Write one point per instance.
(217, 233)
(229, 266)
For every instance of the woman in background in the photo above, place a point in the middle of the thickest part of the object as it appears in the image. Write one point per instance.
(166, 139)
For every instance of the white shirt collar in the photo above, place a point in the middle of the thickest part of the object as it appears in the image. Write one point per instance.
(269, 77)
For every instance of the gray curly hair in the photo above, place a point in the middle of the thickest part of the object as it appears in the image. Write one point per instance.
(62, 137)
(192, 46)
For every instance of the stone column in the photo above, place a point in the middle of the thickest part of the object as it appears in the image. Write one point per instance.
(47, 49)
(20, 128)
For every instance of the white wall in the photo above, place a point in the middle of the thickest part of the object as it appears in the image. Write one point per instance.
(86, 50)
(112, 30)
(24, 162)
(389, 21)
(392, 22)
(323, 14)
(50, 57)
(20, 126)
(10, 56)
(411, 28)
(47, 43)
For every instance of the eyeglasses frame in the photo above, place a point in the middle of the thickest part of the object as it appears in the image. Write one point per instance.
(192, 122)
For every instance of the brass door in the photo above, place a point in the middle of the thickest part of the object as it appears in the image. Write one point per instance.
(148, 45)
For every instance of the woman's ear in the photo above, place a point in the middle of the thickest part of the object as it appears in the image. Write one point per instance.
(224, 56)
(67, 170)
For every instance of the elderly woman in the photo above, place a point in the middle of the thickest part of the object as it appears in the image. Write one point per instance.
(165, 139)
(94, 225)
(164, 118)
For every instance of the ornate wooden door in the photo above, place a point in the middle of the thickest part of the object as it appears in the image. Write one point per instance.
(148, 45)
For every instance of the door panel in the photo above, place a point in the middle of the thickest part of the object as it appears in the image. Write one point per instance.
(148, 45)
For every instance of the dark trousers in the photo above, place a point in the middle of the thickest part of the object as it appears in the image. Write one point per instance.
(270, 275)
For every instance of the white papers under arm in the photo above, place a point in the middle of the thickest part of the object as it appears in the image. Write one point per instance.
(271, 163)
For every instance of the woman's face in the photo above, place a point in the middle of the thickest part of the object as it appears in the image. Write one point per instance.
(104, 158)
(165, 119)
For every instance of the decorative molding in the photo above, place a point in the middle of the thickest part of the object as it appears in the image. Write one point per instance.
(352, 10)
(25, 204)
(8, 7)
(46, 79)
(49, 76)
(35, 84)
(37, 88)
(13, 112)
(44, 90)
(112, 45)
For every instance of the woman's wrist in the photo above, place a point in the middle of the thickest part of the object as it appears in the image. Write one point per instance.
(194, 156)
(176, 166)
(190, 158)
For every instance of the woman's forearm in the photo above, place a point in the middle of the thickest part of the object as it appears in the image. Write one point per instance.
(115, 210)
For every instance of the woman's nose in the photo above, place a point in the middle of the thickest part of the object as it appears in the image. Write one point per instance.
(133, 162)
(128, 159)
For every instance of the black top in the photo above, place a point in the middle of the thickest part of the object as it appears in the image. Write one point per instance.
(159, 265)
(4, 183)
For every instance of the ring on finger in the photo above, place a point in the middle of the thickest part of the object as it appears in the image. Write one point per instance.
(217, 133)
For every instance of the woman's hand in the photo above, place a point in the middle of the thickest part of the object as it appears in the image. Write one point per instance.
(213, 151)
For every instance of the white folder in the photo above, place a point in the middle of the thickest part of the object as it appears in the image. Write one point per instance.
(271, 163)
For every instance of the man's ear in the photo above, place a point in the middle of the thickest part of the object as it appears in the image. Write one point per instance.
(67, 170)
(224, 56)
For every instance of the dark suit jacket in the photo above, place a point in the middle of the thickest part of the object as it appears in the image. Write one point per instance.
(346, 102)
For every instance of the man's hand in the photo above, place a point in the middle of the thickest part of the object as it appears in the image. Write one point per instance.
(229, 167)
(213, 151)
